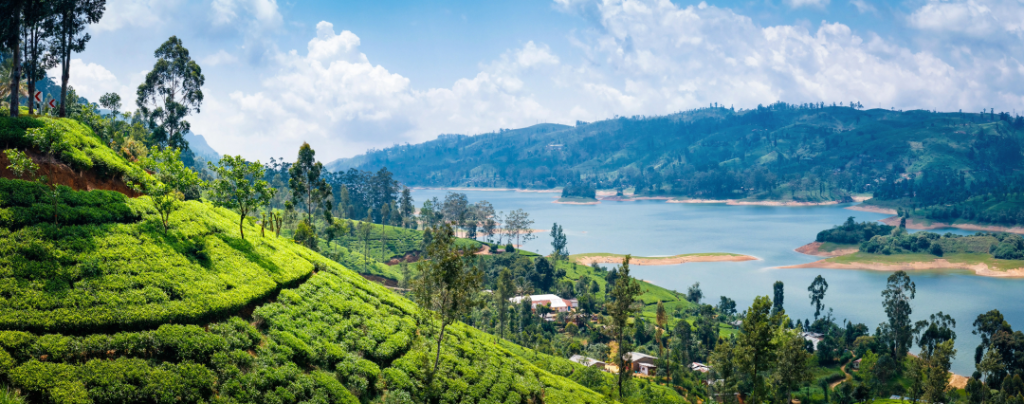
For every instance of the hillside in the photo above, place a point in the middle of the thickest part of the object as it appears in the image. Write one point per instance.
(781, 152)
(106, 307)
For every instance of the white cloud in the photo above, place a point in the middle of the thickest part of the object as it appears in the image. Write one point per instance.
(863, 6)
(137, 13)
(642, 57)
(222, 57)
(261, 12)
(334, 98)
(975, 18)
(807, 3)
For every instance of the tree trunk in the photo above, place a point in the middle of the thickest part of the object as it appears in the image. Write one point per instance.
(65, 76)
(13, 42)
(241, 230)
(437, 360)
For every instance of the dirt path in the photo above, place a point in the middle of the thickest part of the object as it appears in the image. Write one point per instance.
(815, 249)
(848, 376)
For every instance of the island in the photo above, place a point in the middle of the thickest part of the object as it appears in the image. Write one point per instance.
(608, 258)
(579, 194)
(883, 247)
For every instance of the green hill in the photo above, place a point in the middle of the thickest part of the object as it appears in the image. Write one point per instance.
(779, 152)
(105, 307)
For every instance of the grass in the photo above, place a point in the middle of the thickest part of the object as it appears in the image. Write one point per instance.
(830, 246)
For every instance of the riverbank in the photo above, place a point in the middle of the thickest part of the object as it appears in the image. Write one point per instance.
(607, 258)
(533, 191)
(872, 208)
(980, 264)
(920, 225)
(576, 201)
(827, 249)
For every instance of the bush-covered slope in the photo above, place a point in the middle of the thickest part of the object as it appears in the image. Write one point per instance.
(104, 307)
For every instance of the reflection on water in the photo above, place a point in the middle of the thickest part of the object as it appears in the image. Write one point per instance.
(651, 228)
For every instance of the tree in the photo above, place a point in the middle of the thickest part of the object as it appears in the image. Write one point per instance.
(660, 318)
(20, 164)
(504, 292)
(936, 330)
(111, 101)
(898, 332)
(620, 307)
(694, 294)
(173, 179)
(171, 91)
(817, 294)
(406, 208)
(239, 186)
(791, 368)
(447, 283)
(727, 306)
(34, 34)
(11, 30)
(558, 242)
(385, 214)
(757, 346)
(519, 225)
(70, 17)
(779, 297)
(309, 189)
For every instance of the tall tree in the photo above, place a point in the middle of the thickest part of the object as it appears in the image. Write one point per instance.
(448, 283)
(504, 292)
(34, 35)
(309, 189)
(758, 346)
(620, 307)
(11, 30)
(558, 242)
(171, 91)
(779, 295)
(817, 294)
(239, 186)
(660, 318)
(896, 297)
(406, 208)
(67, 26)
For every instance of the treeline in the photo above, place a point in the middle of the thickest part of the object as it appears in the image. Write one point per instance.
(811, 152)
(851, 232)
(875, 238)
(579, 190)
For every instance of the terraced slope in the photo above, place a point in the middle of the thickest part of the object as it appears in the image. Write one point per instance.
(104, 307)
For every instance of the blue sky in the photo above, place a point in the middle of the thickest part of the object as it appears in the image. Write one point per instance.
(346, 75)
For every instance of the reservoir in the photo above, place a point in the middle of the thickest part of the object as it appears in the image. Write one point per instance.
(771, 233)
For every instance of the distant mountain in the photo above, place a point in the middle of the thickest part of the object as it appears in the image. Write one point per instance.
(809, 152)
(197, 143)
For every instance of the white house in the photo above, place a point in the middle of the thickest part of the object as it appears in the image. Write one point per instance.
(641, 363)
(700, 367)
(556, 303)
(814, 337)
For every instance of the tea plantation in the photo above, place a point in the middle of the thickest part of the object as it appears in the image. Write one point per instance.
(105, 307)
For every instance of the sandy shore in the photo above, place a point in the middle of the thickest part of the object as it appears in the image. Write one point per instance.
(981, 269)
(814, 249)
(873, 209)
(575, 203)
(736, 202)
(673, 260)
(911, 224)
(491, 189)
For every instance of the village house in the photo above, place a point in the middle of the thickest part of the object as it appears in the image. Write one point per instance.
(814, 337)
(586, 361)
(641, 363)
(556, 303)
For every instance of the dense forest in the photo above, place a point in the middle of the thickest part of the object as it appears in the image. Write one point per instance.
(947, 165)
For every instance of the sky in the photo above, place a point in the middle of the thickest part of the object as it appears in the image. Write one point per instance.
(346, 76)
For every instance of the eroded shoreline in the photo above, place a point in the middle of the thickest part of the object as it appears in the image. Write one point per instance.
(980, 269)
(586, 259)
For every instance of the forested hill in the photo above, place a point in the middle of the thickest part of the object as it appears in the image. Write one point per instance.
(783, 151)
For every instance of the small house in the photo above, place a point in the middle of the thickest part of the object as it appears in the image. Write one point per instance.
(639, 362)
(856, 364)
(647, 369)
(588, 362)
(700, 367)
(814, 337)
(556, 303)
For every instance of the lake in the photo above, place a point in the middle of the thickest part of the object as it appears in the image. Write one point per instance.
(654, 227)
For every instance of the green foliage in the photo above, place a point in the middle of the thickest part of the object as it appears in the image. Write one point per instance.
(72, 143)
(239, 186)
(24, 203)
(21, 165)
(170, 92)
(851, 232)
